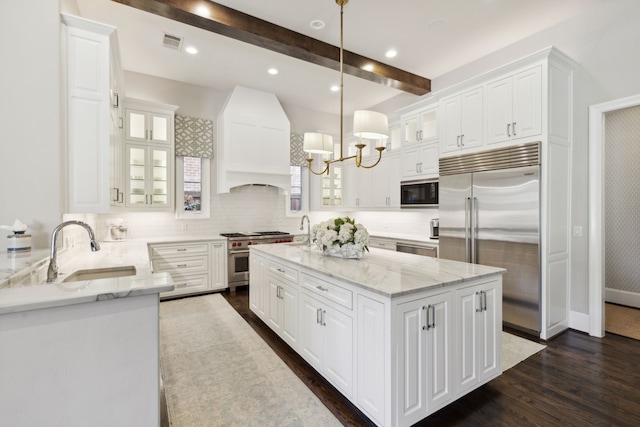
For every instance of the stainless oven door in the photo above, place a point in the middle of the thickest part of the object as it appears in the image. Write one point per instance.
(239, 267)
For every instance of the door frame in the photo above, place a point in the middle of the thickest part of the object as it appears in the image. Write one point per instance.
(597, 209)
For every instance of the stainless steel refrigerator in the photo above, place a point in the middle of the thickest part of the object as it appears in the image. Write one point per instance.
(489, 207)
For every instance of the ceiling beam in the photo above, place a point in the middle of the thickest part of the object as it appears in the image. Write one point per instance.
(240, 26)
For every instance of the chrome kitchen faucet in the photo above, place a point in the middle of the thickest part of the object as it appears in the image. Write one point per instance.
(52, 271)
(308, 229)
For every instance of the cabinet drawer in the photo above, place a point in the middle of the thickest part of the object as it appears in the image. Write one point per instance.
(182, 265)
(174, 250)
(284, 272)
(187, 282)
(330, 291)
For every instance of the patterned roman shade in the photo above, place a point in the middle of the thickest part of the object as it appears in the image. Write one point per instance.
(298, 156)
(194, 137)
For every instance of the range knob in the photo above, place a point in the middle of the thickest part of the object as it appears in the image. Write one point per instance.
(233, 244)
(239, 244)
(249, 243)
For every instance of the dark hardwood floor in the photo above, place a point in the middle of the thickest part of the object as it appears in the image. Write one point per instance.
(577, 380)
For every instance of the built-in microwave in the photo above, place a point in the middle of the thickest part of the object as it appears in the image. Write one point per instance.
(419, 194)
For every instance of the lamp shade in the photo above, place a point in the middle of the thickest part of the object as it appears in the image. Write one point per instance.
(370, 124)
(317, 143)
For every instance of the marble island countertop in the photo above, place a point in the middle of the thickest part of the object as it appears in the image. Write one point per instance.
(23, 281)
(382, 271)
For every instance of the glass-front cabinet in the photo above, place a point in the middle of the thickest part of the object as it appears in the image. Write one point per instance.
(149, 180)
(332, 187)
(145, 126)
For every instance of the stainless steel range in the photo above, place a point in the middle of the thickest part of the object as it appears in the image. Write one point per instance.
(238, 252)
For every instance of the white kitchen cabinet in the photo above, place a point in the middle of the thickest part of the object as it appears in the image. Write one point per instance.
(149, 177)
(419, 160)
(377, 187)
(326, 332)
(461, 121)
(196, 267)
(258, 286)
(148, 126)
(420, 125)
(514, 106)
(91, 70)
(282, 314)
(479, 343)
(425, 331)
(218, 265)
(331, 188)
(371, 379)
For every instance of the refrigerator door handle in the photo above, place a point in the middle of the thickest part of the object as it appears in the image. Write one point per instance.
(467, 228)
(474, 228)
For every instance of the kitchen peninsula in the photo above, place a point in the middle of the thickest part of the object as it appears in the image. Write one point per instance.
(399, 335)
(81, 352)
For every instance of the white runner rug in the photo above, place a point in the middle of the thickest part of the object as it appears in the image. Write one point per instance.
(516, 349)
(218, 372)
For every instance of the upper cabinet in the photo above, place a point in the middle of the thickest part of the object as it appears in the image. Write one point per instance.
(149, 126)
(420, 125)
(461, 121)
(93, 79)
(149, 159)
(514, 106)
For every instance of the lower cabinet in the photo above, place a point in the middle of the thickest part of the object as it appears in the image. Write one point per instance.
(196, 267)
(398, 359)
(479, 343)
(326, 341)
(424, 331)
(282, 314)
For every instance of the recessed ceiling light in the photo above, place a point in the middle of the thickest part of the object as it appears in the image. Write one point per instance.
(335, 88)
(368, 67)
(272, 71)
(391, 53)
(316, 24)
(192, 50)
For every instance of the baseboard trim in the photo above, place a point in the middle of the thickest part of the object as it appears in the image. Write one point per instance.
(615, 296)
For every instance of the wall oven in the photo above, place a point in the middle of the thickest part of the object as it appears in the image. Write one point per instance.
(419, 194)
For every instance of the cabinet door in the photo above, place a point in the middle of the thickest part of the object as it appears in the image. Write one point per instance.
(450, 110)
(466, 346)
(429, 160)
(439, 353)
(149, 177)
(499, 110)
(409, 159)
(310, 341)
(428, 125)
(274, 315)
(412, 395)
(527, 104)
(371, 354)
(289, 314)
(338, 349)
(219, 265)
(258, 290)
(393, 174)
(472, 119)
(159, 126)
(490, 327)
(144, 126)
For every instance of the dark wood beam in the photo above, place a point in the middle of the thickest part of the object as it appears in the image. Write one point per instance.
(240, 26)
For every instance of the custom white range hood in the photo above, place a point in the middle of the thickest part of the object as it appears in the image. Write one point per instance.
(253, 141)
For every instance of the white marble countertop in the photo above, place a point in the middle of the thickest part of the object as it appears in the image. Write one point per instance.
(382, 271)
(23, 281)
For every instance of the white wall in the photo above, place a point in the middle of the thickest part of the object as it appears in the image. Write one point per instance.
(30, 146)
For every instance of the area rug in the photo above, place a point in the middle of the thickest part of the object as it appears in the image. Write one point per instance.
(516, 349)
(218, 372)
(622, 320)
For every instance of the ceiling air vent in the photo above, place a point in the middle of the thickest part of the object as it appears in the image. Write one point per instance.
(171, 41)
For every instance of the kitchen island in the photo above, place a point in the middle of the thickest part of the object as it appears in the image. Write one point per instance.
(399, 335)
(82, 352)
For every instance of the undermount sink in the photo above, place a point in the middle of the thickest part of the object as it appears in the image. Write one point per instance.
(101, 273)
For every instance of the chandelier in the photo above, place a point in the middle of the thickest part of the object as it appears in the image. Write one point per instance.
(366, 124)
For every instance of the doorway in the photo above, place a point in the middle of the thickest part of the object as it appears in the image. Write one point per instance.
(598, 213)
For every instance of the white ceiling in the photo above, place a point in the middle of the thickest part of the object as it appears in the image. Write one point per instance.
(432, 37)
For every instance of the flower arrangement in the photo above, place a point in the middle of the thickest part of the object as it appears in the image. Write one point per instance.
(341, 237)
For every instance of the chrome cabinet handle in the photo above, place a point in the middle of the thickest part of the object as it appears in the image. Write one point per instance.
(322, 289)
(151, 135)
(479, 309)
(508, 131)
(426, 318)
(181, 285)
(181, 249)
(458, 140)
(280, 270)
(181, 265)
(318, 316)
(484, 297)
(513, 127)
(462, 140)
(322, 317)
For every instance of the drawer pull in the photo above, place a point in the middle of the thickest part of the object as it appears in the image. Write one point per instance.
(281, 270)
(181, 285)
(181, 265)
(322, 289)
(181, 250)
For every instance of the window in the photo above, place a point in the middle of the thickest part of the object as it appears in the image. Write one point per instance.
(296, 189)
(192, 187)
